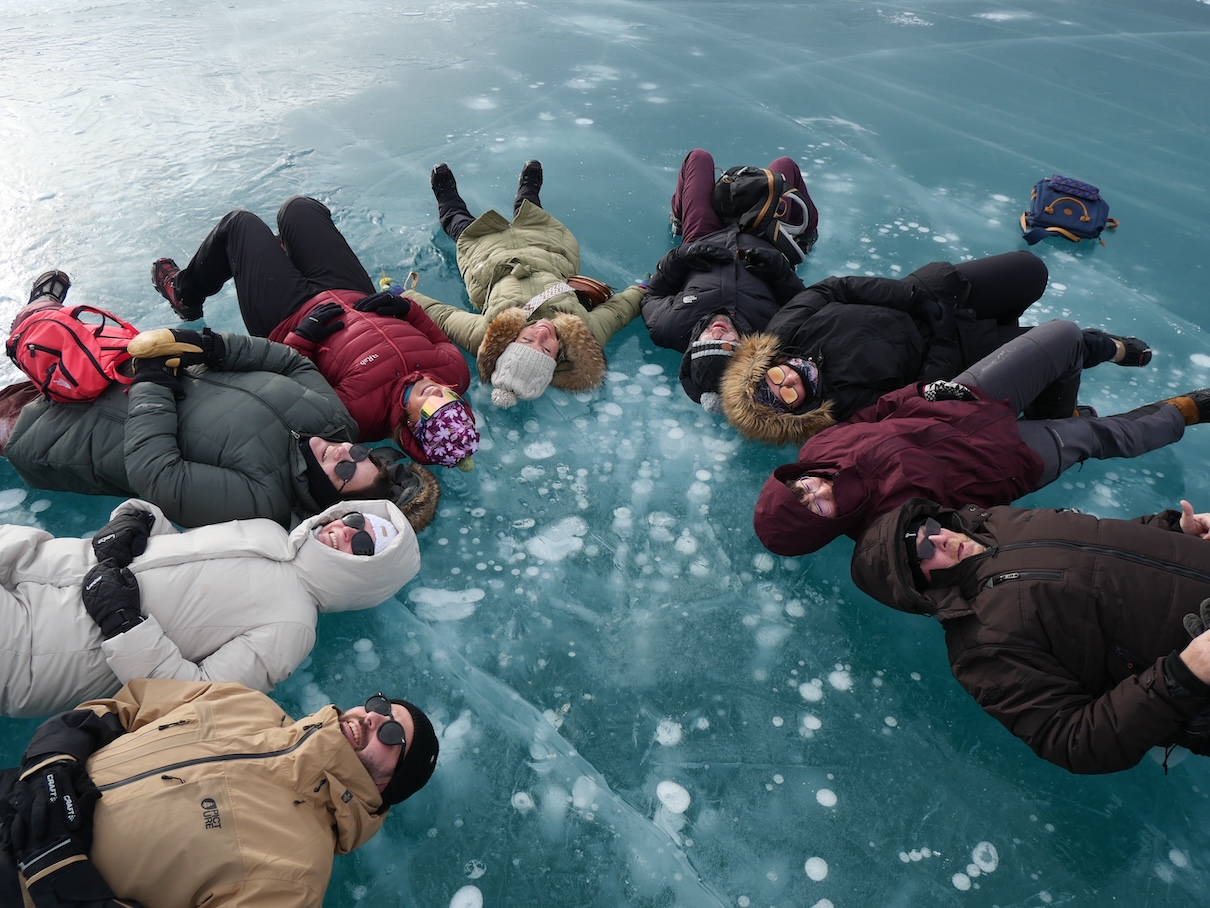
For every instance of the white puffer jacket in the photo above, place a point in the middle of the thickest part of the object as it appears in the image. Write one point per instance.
(236, 601)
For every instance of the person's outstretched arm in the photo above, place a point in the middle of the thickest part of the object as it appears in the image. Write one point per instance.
(466, 329)
(615, 313)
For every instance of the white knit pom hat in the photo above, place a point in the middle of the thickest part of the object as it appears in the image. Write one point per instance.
(522, 373)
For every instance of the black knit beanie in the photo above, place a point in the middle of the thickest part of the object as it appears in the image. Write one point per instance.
(414, 769)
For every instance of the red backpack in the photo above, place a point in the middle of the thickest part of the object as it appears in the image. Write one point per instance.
(68, 359)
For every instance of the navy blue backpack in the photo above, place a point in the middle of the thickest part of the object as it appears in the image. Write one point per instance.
(1061, 206)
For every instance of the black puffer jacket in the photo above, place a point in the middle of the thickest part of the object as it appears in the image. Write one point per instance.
(679, 297)
(1065, 629)
(866, 338)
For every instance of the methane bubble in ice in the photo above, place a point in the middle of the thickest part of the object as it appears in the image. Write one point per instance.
(669, 733)
(559, 540)
(985, 857)
(445, 605)
(841, 680)
(10, 498)
(674, 797)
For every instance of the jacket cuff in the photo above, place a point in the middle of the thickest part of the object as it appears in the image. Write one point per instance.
(1181, 680)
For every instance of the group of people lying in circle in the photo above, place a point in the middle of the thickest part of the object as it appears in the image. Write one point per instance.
(921, 404)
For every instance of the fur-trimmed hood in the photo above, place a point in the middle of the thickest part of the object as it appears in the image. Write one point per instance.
(581, 361)
(415, 490)
(752, 359)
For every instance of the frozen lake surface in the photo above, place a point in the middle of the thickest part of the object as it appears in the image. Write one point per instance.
(638, 704)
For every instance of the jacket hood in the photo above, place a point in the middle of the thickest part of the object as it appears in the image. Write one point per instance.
(880, 566)
(581, 360)
(342, 582)
(786, 526)
(353, 797)
(752, 359)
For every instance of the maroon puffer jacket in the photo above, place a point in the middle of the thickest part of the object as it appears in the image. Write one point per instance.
(952, 452)
(373, 360)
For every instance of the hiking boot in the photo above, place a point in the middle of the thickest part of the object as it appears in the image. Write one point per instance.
(1194, 406)
(445, 188)
(528, 185)
(164, 274)
(1085, 411)
(531, 176)
(1135, 352)
(51, 284)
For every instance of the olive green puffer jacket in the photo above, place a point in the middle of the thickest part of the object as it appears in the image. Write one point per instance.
(228, 450)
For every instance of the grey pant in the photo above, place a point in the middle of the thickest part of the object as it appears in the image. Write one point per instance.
(1054, 352)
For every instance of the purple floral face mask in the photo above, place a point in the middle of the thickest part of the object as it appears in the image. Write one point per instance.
(448, 435)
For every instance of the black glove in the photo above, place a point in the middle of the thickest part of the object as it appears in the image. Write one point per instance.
(947, 390)
(48, 817)
(195, 348)
(704, 256)
(1196, 625)
(940, 318)
(320, 322)
(111, 598)
(124, 538)
(158, 371)
(765, 263)
(385, 304)
(180, 347)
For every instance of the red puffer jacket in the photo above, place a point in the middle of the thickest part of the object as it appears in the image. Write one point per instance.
(374, 359)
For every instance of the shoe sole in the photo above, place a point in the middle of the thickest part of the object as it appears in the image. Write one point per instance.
(159, 342)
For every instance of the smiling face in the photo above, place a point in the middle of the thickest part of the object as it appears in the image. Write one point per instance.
(950, 548)
(541, 336)
(360, 729)
(815, 493)
(428, 391)
(337, 535)
(330, 453)
(719, 329)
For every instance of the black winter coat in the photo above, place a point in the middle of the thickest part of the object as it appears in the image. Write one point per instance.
(679, 297)
(867, 338)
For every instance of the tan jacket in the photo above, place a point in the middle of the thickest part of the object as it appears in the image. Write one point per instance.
(216, 797)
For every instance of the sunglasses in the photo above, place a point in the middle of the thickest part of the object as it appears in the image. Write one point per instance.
(362, 542)
(924, 546)
(347, 469)
(778, 375)
(391, 732)
(430, 407)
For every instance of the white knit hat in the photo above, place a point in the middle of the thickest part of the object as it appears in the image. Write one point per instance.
(522, 373)
(382, 530)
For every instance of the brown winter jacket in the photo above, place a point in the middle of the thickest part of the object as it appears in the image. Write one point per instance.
(1062, 630)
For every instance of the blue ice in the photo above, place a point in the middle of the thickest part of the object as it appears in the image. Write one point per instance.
(638, 704)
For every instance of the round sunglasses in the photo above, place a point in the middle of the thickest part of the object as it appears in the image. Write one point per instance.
(362, 542)
(925, 549)
(778, 375)
(347, 469)
(390, 732)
